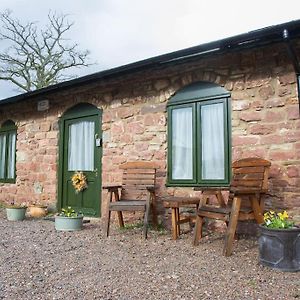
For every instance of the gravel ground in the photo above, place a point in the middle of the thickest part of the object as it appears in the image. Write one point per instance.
(36, 262)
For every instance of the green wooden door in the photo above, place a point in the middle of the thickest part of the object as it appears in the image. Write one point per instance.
(81, 151)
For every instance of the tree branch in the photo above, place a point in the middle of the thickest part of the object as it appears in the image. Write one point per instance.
(35, 59)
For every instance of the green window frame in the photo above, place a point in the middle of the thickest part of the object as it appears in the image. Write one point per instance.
(199, 102)
(8, 137)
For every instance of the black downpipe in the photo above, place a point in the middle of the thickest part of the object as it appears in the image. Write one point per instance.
(294, 59)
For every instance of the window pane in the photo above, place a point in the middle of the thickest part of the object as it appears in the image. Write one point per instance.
(11, 155)
(2, 155)
(81, 146)
(182, 143)
(213, 156)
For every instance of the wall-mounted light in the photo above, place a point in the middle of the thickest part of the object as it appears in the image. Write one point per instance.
(43, 105)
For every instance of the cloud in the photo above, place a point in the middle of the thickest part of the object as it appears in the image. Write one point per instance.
(122, 31)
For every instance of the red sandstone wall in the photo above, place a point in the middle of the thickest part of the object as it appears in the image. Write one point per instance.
(265, 122)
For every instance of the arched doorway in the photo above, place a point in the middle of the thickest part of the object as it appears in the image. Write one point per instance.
(80, 149)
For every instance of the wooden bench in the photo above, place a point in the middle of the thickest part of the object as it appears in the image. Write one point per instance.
(175, 203)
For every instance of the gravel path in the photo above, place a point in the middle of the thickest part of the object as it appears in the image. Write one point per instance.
(36, 262)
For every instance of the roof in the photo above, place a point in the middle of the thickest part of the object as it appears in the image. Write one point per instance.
(265, 36)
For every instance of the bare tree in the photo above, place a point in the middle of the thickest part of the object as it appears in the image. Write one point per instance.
(36, 58)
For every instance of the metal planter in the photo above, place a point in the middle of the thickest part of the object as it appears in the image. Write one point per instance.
(280, 248)
(68, 223)
(16, 213)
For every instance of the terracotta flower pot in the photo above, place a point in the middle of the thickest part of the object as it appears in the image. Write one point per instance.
(37, 211)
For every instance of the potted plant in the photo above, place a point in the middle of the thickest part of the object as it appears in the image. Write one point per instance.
(279, 242)
(37, 210)
(15, 212)
(68, 220)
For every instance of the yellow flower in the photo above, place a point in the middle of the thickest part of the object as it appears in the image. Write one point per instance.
(282, 216)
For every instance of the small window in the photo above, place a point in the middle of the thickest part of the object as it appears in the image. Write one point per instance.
(8, 134)
(199, 136)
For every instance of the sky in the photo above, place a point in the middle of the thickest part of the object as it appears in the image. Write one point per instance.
(117, 32)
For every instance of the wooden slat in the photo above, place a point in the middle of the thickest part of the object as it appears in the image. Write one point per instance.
(139, 165)
(141, 176)
(210, 208)
(134, 195)
(245, 190)
(248, 170)
(128, 208)
(251, 162)
(247, 183)
(138, 182)
(229, 236)
(139, 187)
(139, 171)
(249, 176)
(214, 215)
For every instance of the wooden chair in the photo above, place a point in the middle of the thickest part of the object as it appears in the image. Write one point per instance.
(249, 182)
(137, 193)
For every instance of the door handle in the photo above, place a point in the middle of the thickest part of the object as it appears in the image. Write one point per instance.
(96, 172)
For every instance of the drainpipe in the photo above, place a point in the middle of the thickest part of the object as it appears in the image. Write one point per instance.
(294, 59)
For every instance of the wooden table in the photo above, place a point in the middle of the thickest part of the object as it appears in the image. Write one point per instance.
(212, 191)
(175, 203)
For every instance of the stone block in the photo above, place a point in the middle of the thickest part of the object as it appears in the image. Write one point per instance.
(278, 102)
(288, 78)
(293, 112)
(240, 105)
(244, 140)
(260, 129)
(161, 84)
(250, 116)
(279, 155)
(266, 92)
(275, 116)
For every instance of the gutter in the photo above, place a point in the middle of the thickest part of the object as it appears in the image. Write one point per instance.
(294, 59)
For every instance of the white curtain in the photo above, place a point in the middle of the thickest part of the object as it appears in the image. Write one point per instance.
(11, 155)
(213, 156)
(81, 146)
(182, 143)
(2, 155)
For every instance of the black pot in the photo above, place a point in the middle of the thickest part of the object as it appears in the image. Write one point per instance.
(280, 248)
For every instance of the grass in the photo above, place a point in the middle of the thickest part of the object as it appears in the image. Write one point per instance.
(132, 226)
(129, 226)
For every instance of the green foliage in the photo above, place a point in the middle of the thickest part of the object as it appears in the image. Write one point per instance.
(160, 228)
(69, 212)
(12, 204)
(277, 220)
(132, 226)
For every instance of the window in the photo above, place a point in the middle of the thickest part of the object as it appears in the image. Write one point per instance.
(199, 136)
(7, 152)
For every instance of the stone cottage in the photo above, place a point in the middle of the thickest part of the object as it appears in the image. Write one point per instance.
(192, 112)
